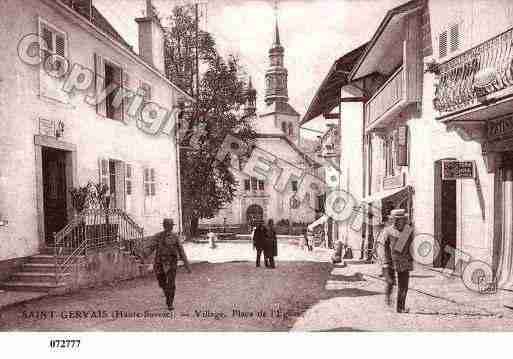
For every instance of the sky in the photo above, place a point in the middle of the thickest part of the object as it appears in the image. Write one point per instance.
(314, 33)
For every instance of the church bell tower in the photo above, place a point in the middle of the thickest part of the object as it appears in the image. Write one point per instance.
(276, 75)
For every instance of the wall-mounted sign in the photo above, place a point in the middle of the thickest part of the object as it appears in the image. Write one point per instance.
(46, 127)
(394, 181)
(500, 127)
(452, 170)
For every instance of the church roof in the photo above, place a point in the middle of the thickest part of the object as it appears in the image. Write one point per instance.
(279, 107)
(267, 129)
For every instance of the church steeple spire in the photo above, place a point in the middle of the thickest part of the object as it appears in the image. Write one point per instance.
(276, 34)
(276, 75)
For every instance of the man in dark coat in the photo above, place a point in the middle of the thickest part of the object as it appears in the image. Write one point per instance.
(167, 248)
(393, 249)
(259, 239)
(271, 245)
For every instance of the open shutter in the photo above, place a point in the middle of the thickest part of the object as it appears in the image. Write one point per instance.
(402, 146)
(53, 42)
(99, 66)
(103, 171)
(120, 185)
(125, 83)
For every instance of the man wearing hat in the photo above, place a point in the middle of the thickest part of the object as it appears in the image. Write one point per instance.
(393, 249)
(168, 248)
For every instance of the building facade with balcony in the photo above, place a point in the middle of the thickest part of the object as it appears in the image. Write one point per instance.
(436, 78)
(52, 140)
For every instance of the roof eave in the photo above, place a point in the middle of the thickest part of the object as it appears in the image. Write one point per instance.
(382, 26)
(60, 6)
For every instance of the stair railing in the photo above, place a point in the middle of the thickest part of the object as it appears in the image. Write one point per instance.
(93, 230)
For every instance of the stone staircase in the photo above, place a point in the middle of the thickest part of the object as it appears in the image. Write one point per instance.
(37, 274)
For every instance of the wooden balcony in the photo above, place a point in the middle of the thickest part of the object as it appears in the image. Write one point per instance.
(477, 77)
(401, 89)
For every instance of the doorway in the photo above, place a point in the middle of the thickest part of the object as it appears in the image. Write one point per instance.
(445, 218)
(255, 213)
(55, 191)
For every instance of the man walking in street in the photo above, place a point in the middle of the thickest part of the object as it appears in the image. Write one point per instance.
(393, 249)
(167, 248)
(259, 239)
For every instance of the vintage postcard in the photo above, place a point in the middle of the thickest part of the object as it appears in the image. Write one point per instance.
(256, 166)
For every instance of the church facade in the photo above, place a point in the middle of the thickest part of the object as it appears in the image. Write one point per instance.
(277, 129)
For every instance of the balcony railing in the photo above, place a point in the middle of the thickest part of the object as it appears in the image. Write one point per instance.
(476, 74)
(388, 96)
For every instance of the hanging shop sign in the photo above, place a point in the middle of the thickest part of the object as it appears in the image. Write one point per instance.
(452, 170)
(392, 182)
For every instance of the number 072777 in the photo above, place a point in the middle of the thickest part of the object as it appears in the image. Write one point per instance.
(64, 343)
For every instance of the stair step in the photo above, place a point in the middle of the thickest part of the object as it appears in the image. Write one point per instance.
(39, 267)
(31, 287)
(30, 277)
(48, 258)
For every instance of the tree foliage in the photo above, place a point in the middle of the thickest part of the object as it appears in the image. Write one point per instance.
(207, 184)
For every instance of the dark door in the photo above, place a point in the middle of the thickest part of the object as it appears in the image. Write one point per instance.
(445, 218)
(448, 222)
(54, 191)
(254, 214)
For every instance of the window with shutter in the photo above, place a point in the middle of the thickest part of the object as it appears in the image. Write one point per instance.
(442, 44)
(254, 185)
(53, 42)
(454, 37)
(128, 179)
(150, 190)
(247, 185)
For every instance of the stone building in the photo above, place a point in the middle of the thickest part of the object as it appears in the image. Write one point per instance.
(53, 140)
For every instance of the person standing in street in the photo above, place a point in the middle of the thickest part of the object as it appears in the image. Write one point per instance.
(259, 239)
(168, 249)
(271, 248)
(393, 249)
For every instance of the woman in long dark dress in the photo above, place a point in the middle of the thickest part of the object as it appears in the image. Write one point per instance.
(271, 249)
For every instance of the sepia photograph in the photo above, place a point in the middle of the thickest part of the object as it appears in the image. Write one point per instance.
(255, 166)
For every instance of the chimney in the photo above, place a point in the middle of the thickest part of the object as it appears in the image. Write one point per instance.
(83, 7)
(151, 38)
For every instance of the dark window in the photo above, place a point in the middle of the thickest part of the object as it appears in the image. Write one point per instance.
(247, 185)
(291, 129)
(254, 184)
(294, 186)
(261, 185)
(284, 127)
(112, 76)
